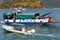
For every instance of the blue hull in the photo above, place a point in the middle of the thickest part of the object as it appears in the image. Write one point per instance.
(13, 23)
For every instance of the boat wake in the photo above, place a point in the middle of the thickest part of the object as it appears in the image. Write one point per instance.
(48, 35)
(2, 22)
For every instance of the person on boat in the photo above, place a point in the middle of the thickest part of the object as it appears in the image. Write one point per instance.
(37, 16)
(18, 10)
(24, 29)
(14, 19)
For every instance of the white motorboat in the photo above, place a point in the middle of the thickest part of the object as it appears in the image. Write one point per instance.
(11, 29)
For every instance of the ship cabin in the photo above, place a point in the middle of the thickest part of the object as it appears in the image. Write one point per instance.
(21, 15)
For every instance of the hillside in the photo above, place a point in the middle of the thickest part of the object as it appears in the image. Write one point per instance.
(4, 1)
(51, 3)
(22, 3)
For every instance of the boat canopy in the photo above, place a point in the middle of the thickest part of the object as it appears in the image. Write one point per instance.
(19, 15)
(25, 16)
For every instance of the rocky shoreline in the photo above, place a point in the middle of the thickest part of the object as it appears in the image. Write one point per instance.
(34, 4)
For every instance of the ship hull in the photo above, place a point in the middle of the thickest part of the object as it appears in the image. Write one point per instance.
(27, 21)
(18, 23)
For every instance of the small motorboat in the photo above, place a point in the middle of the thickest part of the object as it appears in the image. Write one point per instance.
(11, 29)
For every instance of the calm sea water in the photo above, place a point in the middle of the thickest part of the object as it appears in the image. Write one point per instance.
(48, 32)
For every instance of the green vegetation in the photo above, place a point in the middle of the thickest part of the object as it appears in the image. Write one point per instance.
(22, 3)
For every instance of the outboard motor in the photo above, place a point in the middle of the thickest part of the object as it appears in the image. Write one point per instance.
(33, 30)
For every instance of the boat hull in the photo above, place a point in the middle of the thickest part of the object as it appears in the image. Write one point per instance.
(17, 23)
(27, 21)
(11, 29)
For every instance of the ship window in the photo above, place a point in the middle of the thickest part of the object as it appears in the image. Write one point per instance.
(8, 16)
